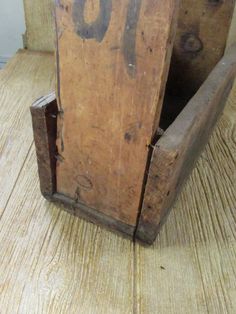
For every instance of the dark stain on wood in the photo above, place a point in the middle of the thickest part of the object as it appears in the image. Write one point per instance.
(128, 137)
(215, 3)
(191, 43)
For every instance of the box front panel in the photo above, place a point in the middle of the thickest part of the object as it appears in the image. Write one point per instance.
(113, 60)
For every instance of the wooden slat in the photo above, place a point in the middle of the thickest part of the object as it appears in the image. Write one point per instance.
(200, 43)
(232, 32)
(44, 121)
(111, 82)
(51, 262)
(21, 82)
(40, 29)
(176, 151)
(191, 267)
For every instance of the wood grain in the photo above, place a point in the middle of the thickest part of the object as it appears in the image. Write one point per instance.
(16, 95)
(110, 98)
(51, 262)
(56, 263)
(40, 29)
(191, 267)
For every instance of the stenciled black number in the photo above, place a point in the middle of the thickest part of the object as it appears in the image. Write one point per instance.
(96, 29)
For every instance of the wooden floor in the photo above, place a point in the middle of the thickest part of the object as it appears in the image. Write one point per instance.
(52, 262)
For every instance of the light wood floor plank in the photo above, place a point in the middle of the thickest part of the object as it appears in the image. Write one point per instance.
(26, 77)
(53, 262)
(191, 267)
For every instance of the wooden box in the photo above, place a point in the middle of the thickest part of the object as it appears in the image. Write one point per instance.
(118, 140)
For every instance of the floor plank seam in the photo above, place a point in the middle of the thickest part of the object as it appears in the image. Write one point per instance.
(135, 292)
(17, 178)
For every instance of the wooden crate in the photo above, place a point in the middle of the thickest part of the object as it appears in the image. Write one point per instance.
(98, 145)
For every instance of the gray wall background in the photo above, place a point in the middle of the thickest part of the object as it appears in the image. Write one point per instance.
(12, 26)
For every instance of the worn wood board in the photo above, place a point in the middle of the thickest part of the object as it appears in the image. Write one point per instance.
(109, 110)
(40, 30)
(232, 31)
(201, 38)
(44, 122)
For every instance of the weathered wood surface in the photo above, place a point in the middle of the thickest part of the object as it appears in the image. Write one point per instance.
(40, 33)
(44, 120)
(109, 110)
(52, 262)
(175, 153)
(200, 43)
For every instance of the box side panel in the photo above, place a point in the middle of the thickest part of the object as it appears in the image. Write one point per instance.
(175, 153)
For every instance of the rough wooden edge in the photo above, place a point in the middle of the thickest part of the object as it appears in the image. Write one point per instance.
(44, 119)
(90, 214)
(175, 153)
